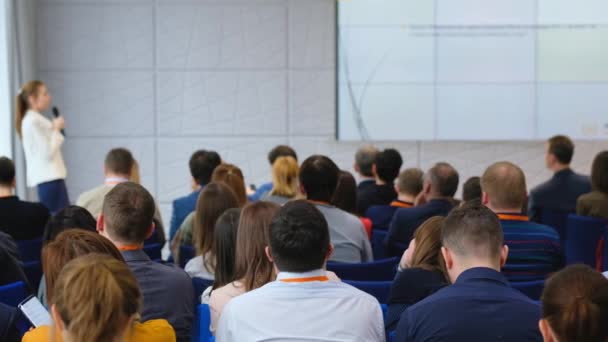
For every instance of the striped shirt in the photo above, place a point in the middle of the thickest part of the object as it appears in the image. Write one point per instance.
(534, 249)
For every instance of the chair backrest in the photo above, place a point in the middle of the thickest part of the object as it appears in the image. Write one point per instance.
(527, 272)
(557, 219)
(200, 285)
(29, 250)
(378, 289)
(13, 294)
(583, 235)
(380, 270)
(532, 289)
(200, 328)
(154, 250)
(186, 253)
(378, 246)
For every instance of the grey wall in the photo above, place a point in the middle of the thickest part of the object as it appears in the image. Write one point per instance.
(166, 77)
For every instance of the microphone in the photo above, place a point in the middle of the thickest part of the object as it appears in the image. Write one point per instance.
(57, 114)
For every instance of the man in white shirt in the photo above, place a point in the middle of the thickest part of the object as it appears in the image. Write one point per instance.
(302, 304)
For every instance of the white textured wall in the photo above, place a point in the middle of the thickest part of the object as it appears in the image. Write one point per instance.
(167, 77)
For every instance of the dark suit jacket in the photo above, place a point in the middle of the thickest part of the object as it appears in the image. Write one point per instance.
(22, 220)
(182, 207)
(406, 220)
(167, 291)
(594, 204)
(8, 321)
(374, 194)
(10, 268)
(558, 193)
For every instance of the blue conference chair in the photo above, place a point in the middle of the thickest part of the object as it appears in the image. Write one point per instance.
(557, 219)
(583, 235)
(29, 250)
(378, 246)
(154, 251)
(391, 336)
(378, 289)
(200, 285)
(186, 253)
(532, 289)
(13, 294)
(200, 328)
(380, 270)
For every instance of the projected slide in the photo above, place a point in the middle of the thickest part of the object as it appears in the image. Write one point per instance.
(472, 69)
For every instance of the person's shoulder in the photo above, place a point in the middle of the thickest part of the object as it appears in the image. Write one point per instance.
(153, 330)
(541, 188)
(539, 228)
(41, 333)
(185, 200)
(93, 193)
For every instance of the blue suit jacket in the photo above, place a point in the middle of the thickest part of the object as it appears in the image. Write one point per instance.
(479, 306)
(182, 207)
(558, 193)
(406, 220)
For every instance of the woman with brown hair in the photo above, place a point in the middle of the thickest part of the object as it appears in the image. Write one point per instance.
(212, 202)
(575, 306)
(87, 304)
(42, 140)
(421, 271)
(285, 172)
(252, 267)
(595, 203)
(232, 176)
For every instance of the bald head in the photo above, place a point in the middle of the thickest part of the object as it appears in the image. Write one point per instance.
(504, 186)
(443, 179)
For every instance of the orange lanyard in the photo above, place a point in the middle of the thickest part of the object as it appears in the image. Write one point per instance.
(513, 217)
(305, 280)
(129, 248)
(401, 204)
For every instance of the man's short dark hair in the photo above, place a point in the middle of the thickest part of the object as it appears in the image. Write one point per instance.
(365, 159)
(388, 164)
(319, 178)
(473, 230)
(562, 148)
(128, 210)
(7, 171)
(120, 161)
(471, 189)
(202, 163)
(444, 179)
(410, 181)
(281, 151)
(299, 237)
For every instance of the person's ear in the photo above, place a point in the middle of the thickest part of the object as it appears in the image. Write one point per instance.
(356, 167)
(100, 224)
(14, 183)
(447, 257)
(151, 230)
(57, 318)
(427, 188)
(545, 330)
(269, 254)
(485, 200)
(302, 190)
(504, 253)
(330, 251)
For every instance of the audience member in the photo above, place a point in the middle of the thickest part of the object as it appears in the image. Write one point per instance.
(202, 163)
(595, 203)
(224, 242)
(564, 188)
(409, 185)
(531, 244)
(8, 324)
(302, 304)
(284, 181)
(273, 155)
(70, 217)
(364, 163)
(318, 180)
(119, 167)
(252, 268)
(213, 201)
(421, 271)
(471, 190)
(385, 169)
(575, 306)
(56, 255)
(127, 220)
(480, 305)
(345, 198)
(96, 298)
(19, 219)
(10, 262)
(436, 199)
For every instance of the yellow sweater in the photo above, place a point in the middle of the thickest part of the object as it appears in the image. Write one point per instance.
(157, 330)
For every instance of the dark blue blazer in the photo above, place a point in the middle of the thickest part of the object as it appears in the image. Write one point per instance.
(406, 220)
(558, 193)
(182, 207)
(479, 306)
(8, 324)
(381, 215)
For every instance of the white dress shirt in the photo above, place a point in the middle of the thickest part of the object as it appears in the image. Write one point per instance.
(305, 310)
(42, 148)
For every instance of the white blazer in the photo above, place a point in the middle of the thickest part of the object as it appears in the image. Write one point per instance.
(42, 147)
